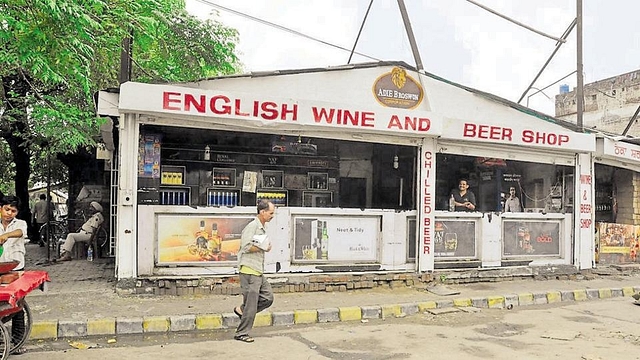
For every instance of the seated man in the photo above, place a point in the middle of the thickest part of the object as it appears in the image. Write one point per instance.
(84, 234)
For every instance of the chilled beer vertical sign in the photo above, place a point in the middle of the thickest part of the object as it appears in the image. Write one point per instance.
(585, 219)
(426, 205)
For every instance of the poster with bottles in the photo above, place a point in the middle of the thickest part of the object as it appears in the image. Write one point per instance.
(455, 238)
(149, 155)
(332, 238)
(531, 238)
(196, 239)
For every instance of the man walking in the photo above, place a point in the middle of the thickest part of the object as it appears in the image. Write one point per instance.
(40, 216)
(256, 290)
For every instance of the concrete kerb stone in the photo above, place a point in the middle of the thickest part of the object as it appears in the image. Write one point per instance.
(182, 323)
(136, 325)
(284, 318)
(71, 328)
(371, 312)
(106, 326)
(129, 326)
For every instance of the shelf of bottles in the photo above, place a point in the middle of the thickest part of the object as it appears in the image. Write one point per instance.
(223, 197)
(175, 196)
(172, 175)
(272, 179)
(318, 181)
(277, 197)
(224, 177)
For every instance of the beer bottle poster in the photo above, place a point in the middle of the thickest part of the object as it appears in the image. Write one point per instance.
(531, 238)
(454, 238)
(196, 239)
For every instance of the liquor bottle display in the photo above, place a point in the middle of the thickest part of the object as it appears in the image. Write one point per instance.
(215, 241)
(325, 241)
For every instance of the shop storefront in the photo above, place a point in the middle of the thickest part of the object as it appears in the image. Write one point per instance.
(359, 161)
(616, 169)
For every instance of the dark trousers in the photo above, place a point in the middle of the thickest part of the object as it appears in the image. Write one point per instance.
(256, 296)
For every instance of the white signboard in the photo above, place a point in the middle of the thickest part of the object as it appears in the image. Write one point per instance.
(333, 238)
(267, 110)
(532, 133)
(620, 151)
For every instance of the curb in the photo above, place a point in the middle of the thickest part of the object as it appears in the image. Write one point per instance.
(179, 323)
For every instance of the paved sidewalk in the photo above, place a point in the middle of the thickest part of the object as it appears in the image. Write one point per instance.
(82, 301)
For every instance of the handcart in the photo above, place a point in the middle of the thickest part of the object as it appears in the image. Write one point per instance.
(13, 332)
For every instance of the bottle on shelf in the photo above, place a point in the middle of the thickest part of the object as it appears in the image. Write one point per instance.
(452, 203)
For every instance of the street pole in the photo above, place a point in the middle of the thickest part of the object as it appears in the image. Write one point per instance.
(412, 39)
(580, 87)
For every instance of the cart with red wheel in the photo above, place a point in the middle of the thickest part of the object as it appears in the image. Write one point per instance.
(15, 315)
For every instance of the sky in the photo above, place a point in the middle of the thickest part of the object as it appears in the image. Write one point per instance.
(457, 40)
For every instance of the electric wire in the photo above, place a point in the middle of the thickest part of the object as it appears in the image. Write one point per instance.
(280, 27)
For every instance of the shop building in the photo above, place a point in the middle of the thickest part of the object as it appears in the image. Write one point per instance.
(610, 104)
(360, 161)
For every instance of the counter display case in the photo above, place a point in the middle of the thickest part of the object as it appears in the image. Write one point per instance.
(175, 196)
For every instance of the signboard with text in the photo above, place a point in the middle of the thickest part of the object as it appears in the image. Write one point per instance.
(277, 113)
(333, 238)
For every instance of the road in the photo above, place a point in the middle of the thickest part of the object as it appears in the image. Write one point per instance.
(591, 330)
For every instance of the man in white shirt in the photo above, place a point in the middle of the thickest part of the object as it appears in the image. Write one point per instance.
(12, 235)
(512, 204)
(84, 234)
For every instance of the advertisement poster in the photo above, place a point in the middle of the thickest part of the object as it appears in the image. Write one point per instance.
(149, 156)
(531, 238)
(618, 243)
(455, 238)
(187, 239)
(336, 238)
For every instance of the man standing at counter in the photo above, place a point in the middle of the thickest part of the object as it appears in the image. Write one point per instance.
(256, 290)
(465, 199)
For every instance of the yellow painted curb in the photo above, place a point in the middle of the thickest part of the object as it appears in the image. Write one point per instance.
(580, 295)
(44, 330)
(604, 293)
(462, 302)
(262, 319)
(105, 326)
(525, 299)
(553, 297)
(391, 310)
(495, 302)
(155, 324)
(208, 321)
(350, 313)
(627, 291)
(423, 306)
(305, 316)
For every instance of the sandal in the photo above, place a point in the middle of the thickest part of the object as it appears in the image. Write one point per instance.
(244, 338)
(238, 313)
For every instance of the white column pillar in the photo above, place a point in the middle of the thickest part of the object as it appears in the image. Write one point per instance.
(426, 205)
(126, 249)
(584, 254)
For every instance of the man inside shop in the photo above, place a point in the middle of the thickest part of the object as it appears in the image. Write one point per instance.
(512, 203)
(465, 199)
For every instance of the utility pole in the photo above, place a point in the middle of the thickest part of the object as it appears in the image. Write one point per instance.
(580, 87)
(125, 60)
(412, 39)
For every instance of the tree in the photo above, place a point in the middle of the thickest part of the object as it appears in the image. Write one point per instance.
(56, 54)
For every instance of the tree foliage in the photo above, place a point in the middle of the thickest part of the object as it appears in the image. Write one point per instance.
(55, 54)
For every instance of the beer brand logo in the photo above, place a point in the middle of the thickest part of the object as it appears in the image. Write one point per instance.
(397, 89)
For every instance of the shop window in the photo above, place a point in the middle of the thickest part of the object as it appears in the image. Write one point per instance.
(538, 187)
